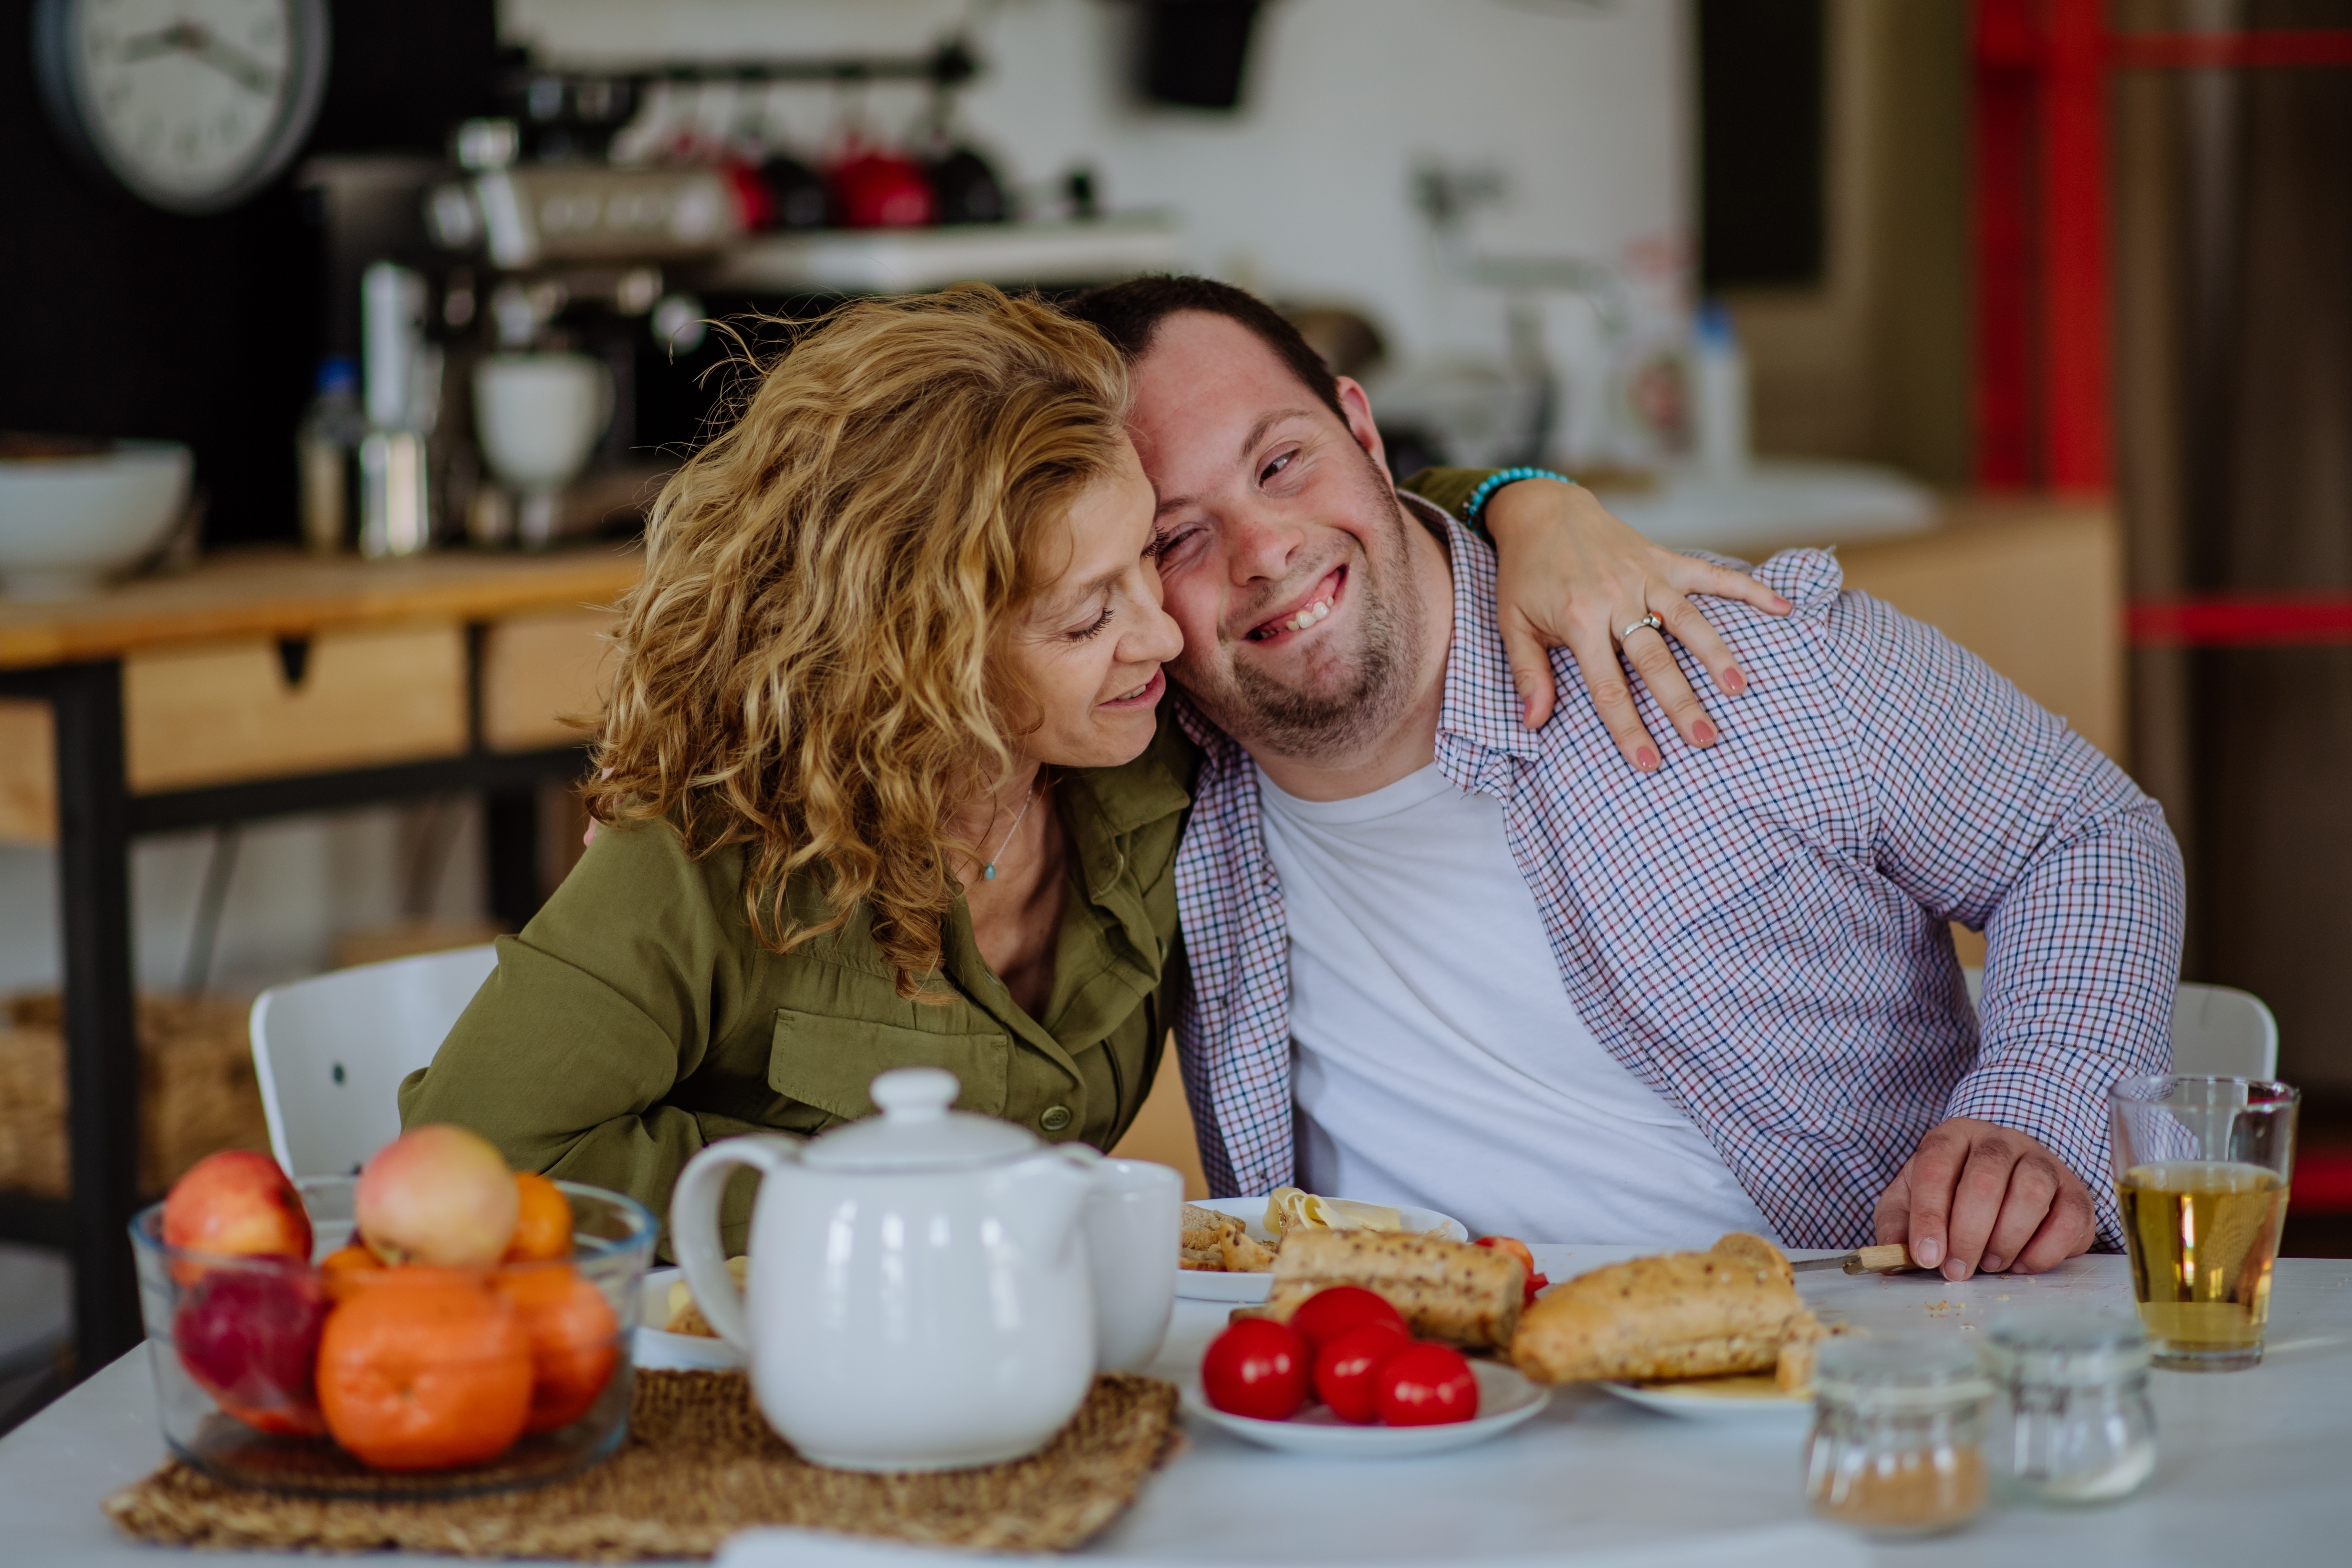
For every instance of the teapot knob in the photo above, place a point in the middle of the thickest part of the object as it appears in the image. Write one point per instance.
(915, 1094)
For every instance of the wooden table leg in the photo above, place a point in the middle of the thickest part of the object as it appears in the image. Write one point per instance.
(100, 1006)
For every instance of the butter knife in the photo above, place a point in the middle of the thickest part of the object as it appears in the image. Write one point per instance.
(1891, 1258)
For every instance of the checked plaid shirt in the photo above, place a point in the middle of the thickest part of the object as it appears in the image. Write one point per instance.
(1757, 930)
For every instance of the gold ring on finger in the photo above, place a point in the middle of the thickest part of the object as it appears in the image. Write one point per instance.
(1650, 621)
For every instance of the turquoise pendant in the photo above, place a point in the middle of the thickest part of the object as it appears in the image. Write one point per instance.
(988, 872)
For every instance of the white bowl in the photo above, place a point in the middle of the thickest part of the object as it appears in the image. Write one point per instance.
(67, 522)
(658, 1349)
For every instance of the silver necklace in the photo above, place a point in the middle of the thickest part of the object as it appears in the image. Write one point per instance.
(988, 872)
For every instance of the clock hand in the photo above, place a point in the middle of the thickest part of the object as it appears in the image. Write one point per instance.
(196, 40)
(233, 63)
(147, 45)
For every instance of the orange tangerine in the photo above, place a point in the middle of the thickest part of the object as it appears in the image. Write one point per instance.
(574, 1340)
(543, 1228)
(425, 1369)
(347, 1269)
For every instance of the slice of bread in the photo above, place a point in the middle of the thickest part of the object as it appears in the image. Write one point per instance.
(1467, 1296)
(1681, 1314)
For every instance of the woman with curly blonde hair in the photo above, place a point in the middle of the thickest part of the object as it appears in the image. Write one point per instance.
(883, 779)
(876, 778)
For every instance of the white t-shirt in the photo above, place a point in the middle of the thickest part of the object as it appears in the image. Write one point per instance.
(1437, 1057)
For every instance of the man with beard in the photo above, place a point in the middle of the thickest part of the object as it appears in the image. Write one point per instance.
(1439, 958)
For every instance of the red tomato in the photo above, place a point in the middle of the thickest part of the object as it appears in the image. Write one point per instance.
(1258, 1367)
(1426, 1385)
(1336, 1308)
(1347, 1365)
(1536, 1285)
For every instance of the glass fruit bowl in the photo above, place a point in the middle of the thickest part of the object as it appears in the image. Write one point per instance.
(395, 1383)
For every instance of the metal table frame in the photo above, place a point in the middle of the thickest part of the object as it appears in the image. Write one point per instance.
(98, 816)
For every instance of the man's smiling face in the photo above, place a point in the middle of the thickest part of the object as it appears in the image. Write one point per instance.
(1282, 545)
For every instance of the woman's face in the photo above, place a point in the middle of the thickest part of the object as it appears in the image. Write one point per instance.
(1090, 645)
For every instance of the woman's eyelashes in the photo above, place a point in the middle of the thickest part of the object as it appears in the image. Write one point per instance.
(1093, 628)
(1169, 546)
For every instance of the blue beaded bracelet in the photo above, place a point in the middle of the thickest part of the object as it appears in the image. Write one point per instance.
(1473, 511)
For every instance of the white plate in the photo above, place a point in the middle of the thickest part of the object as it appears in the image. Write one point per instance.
(1202, 1285)
(657, 1348)
(1505, 1400)
(1696, 1402)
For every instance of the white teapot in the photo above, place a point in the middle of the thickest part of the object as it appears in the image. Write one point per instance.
(921, 1295)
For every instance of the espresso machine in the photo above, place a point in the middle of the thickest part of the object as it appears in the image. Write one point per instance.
(532, 347)
(575, 314)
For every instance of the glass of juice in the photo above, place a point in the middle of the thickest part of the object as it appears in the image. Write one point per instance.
(2202, 1169)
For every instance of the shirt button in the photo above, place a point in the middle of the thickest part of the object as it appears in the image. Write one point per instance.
(1054, 1118)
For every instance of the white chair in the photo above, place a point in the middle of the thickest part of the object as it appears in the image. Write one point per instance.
(2215, 1029)
(330, 1052)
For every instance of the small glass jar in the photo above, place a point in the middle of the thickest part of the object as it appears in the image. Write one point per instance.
(1897, 1441)
(2070, 1420)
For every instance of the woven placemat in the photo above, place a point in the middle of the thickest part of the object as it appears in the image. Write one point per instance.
(700, 1463)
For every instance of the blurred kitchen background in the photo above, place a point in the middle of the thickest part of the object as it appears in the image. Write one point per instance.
(2036, 308)
(1516, 279)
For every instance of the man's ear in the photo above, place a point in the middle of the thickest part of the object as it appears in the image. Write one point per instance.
(1359, 410)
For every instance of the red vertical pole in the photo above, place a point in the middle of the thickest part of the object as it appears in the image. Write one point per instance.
(2074, 240)
(2039, 203)
(2005, 49)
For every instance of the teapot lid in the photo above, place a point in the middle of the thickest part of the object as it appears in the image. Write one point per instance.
(915, 1130)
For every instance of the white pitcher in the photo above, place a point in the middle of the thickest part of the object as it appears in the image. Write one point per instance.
(918, 1294)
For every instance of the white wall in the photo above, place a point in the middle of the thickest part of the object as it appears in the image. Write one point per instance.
(1582, 105)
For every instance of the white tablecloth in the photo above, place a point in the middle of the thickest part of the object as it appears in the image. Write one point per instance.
(2256, 1468)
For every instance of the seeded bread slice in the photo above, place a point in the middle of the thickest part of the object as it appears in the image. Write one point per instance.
(1681, 1314)
(1467, 1296)
(1749, 1248)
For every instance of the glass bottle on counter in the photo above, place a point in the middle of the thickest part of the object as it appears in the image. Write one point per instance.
(326, 449)
(1897, 1444)
(2071, 1421)
(401, 393)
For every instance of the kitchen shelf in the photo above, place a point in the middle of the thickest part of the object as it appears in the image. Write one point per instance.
(914, 260)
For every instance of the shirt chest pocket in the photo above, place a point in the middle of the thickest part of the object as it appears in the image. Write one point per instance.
(828, 1061)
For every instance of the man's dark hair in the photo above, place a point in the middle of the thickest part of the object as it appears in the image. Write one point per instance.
(1129, 314)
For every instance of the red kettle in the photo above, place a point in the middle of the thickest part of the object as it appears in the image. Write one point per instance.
(874, 189)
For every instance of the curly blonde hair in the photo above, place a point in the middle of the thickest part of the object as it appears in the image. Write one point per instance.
(808, 667)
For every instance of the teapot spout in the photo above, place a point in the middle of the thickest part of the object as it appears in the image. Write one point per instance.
(1040, 1199)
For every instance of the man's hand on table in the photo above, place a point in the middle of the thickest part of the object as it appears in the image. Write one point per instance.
(1976, 1195)
(1571, 576)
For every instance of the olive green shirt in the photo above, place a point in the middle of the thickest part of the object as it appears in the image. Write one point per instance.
(639, 1016)
(1449, 489)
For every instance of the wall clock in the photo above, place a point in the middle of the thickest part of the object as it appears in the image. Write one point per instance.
(194, 105)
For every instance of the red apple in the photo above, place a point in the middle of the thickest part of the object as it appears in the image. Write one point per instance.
(249, 1336)
(239, 1203)
(438, 1195)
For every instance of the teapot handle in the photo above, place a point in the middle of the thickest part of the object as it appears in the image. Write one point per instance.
(694, 1226)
